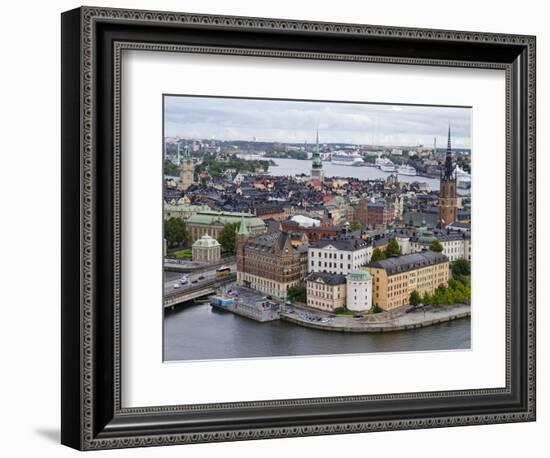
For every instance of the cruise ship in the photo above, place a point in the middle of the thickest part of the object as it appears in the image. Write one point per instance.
(343, 158)
(385, 164)
(462, 178)
(406, 170)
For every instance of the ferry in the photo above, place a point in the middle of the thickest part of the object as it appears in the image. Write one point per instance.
(343, 158)
(406, 170)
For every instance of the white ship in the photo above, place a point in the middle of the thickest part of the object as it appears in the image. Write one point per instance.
(343, 158)
(384, 164)
(406, 170)
(462, 178)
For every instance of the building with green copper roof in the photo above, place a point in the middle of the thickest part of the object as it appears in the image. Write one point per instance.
(183, 210)
(359, 275)
(212, 222)
(359, 290)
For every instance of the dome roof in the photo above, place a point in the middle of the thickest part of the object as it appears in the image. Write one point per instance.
(206, 241)
(359, 275)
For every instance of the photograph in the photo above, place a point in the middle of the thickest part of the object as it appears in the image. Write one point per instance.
(282, 223)
(314, 227)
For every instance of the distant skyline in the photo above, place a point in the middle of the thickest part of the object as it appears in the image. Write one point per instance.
(291, 121)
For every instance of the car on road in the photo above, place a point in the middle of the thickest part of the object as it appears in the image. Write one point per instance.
(194, 281)
(201, 277)
(176, 285)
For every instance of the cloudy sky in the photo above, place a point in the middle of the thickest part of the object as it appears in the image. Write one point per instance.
(293, 121)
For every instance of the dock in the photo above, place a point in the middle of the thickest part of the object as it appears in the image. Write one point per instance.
(248, 304)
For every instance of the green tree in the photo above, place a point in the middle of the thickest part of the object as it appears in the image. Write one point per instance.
(175, 231)
(227, 237)
(355, 225)
(297, 293)
(170, 168)
(460, 267)
(392, 249)
(436, 246)
(377, 255)
(414, 298)
(427, 298)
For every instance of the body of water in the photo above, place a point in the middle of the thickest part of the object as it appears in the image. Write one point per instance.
(197, 331)
(291, 167)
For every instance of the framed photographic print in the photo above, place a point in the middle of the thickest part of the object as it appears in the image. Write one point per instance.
(276, 228)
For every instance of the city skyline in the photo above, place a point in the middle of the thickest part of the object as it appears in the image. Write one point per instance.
(290, 121)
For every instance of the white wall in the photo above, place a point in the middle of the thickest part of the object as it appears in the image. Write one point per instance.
(30, 292)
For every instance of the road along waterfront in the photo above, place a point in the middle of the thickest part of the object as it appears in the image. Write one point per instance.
(198, 332)
(403, 321)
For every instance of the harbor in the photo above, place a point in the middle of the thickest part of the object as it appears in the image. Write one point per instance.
(248, 303)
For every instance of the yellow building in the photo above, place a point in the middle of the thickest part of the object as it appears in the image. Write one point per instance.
(394, 279)
(326, 291)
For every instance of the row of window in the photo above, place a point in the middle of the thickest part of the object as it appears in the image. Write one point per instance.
(330, 255)
(329, 264)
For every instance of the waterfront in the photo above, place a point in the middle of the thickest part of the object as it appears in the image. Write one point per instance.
(291, 167)
(196, 331)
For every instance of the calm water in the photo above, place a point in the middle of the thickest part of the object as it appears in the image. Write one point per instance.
(200, 332)
(286, 167)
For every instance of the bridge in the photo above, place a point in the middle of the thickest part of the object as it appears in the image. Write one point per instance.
(194, 291)
(177, 265)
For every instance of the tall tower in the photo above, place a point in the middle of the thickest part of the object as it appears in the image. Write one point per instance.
(448, 204)
(187, 171)
(240, 241)
(317, 165)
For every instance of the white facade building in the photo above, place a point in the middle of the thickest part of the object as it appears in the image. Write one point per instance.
(338, 256)
(359, 291)
(206, 249)
(456, 245)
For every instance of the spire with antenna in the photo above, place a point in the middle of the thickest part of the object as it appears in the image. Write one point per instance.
(317, 141)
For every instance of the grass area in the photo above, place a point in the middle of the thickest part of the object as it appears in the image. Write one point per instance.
(183, 254)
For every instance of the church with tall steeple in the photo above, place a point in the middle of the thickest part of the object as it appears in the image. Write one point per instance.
(317, 165)
(448, 201)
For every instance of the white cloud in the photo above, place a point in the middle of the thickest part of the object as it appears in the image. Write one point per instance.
(297, 121)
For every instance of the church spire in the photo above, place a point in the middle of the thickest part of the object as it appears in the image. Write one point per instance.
(243, 230)
(448, 171)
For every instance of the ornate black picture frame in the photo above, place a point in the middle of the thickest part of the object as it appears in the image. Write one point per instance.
(92, 42)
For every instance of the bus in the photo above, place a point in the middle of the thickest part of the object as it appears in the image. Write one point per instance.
(223, 271)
